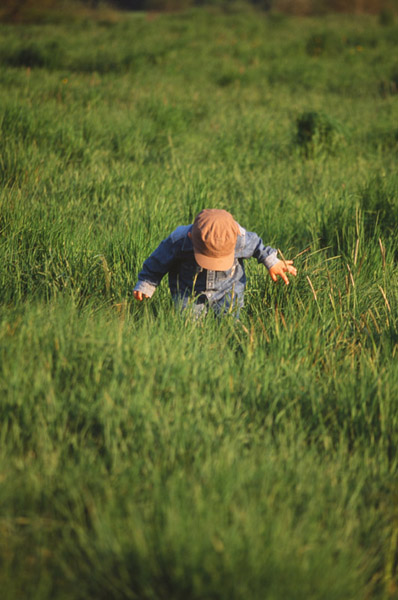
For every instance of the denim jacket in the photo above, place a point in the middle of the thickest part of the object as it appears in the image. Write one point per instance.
(222, 290)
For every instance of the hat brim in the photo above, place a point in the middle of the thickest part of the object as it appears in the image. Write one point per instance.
(211, 263)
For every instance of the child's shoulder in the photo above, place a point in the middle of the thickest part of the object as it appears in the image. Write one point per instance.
(180, 233)
(240, 242)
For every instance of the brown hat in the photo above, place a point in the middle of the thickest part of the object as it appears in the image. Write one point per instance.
(214, 235)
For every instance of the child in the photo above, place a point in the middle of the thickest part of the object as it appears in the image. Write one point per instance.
(204, 262)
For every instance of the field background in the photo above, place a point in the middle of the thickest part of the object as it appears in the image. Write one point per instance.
(144, 456)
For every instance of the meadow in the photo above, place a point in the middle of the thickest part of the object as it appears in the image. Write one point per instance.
(147, 456)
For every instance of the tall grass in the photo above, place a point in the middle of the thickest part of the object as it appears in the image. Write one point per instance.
(145, 455)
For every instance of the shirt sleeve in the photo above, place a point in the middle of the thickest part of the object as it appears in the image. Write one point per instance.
(156, 266)
(252, 246)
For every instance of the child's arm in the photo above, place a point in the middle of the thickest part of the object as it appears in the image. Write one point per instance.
(154, 269)
(252, 245)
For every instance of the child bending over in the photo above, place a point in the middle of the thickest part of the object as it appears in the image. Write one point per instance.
(204, 262)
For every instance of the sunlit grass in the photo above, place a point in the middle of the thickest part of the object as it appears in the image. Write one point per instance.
(146, 455)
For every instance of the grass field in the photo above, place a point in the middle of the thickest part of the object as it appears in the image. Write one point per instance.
(145, 456)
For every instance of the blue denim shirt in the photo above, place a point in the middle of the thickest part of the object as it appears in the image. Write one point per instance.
(222, 290)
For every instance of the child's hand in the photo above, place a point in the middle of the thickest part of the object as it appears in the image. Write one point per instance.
(281, 268)
(139, 295)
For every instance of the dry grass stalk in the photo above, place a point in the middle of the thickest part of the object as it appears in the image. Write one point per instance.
(351, 276)
(383, 253)
(356, 251)
(385, 298)
(312, 289)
